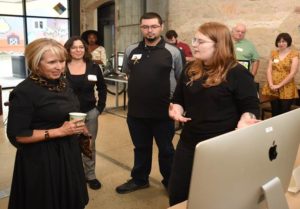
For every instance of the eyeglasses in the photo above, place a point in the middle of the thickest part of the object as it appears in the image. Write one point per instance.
(197, 41)
(152, 27)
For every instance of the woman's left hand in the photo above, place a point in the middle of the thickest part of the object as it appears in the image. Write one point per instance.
(247, 119)
(275, 87)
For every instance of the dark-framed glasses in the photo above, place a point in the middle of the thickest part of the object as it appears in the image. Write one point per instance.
(152, 27)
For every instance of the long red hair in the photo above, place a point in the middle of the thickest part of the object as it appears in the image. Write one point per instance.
(215, 70)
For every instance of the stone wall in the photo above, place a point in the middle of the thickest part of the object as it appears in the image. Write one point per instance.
(128, 13)
(88, 13)
(265, 19)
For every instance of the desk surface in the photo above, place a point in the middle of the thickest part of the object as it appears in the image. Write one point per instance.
(293, 201)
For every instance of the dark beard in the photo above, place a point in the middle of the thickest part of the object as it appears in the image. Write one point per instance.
(151, 40)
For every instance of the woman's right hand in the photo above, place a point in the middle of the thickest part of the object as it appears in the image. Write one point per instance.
(176, 113)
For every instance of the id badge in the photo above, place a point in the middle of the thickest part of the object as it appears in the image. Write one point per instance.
(136, 58)
(239, 49)
(92, 78)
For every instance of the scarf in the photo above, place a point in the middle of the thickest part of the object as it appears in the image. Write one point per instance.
(52, 85)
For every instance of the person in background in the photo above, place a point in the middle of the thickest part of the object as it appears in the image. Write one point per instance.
(172, 38)
(91, 37)
(244, 49)
(282, 68)
(84, 76)
(215, 95)
(48, 171)
(153, 67)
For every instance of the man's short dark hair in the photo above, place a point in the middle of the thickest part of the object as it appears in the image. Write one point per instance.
(171, 33)
(284, 36)
(151, 15)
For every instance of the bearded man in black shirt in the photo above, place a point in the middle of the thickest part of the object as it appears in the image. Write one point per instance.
(154, 67)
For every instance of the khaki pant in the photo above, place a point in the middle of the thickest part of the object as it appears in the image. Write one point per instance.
(92, 125)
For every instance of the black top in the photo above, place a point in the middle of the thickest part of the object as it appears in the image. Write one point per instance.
(47, 174)
(84, 87)
(153, 71)
(216, 110)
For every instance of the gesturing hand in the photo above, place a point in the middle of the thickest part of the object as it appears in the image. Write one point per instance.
(176, 113)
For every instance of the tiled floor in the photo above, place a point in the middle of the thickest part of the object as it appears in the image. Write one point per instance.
(114, 162)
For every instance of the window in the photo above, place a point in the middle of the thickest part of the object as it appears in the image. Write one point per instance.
(57, 29)
(47, 8)
(11, 35)
(21, 25)
(11, 7)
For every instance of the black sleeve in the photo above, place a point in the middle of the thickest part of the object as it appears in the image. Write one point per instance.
(125, 67)
(101, 88)
(183, 58)
(21, 111)
(178, 97)
(244, 90)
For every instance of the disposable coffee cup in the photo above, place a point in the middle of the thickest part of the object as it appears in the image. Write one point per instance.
(77, 115)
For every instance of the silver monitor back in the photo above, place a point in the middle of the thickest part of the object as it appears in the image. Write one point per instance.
(230, 169)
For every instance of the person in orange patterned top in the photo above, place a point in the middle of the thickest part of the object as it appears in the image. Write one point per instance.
(281, 71)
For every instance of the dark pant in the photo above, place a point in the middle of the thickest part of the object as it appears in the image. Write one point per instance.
(179, 182)
(280, 106)
(142, 131)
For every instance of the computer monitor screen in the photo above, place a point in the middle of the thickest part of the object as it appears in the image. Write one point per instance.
(230, 170)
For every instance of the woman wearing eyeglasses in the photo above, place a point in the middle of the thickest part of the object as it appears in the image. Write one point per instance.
(215, 95)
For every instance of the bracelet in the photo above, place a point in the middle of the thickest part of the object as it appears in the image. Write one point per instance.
(252, 116)
(46, 134)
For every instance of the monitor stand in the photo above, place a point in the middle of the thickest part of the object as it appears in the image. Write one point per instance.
(295, 182)
(274, 194)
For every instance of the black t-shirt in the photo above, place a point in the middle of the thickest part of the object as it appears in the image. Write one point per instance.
(153, 72)
(35, 107)
(84, 87)
(53, 166)
(216, 110)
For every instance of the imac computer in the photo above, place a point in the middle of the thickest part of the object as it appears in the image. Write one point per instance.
(248, 168)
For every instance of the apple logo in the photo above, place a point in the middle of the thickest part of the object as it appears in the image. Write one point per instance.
(273, 151)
